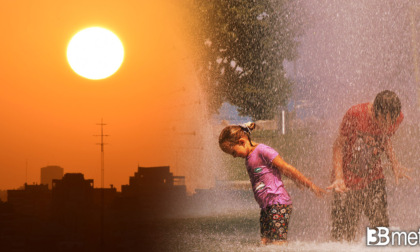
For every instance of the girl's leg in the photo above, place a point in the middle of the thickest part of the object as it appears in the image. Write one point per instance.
(264, 226)
(274, 224)
(265, 241)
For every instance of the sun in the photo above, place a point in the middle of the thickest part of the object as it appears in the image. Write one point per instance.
(95, 53)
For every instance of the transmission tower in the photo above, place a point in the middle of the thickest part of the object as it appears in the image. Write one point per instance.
(102, 124)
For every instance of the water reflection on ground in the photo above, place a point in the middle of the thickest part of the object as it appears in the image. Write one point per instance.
(220, 228)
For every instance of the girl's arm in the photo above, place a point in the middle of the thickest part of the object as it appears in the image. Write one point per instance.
(296, 175)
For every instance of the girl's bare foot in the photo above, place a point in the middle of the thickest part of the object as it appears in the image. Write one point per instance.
(279, 242)
(265, 241)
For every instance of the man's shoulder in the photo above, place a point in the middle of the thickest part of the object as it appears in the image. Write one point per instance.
(358, 110)
(356, 117)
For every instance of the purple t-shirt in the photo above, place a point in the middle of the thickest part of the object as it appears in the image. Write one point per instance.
(266, 180)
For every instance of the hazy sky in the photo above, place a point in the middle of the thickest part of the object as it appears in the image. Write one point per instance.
(153, 104)
(49, 114)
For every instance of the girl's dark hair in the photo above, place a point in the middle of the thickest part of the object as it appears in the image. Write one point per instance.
(387, 102)
(232, 133)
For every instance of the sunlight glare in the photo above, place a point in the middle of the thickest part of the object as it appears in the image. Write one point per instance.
(95, 53)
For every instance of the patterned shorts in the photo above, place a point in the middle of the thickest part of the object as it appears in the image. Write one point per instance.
(274, 222)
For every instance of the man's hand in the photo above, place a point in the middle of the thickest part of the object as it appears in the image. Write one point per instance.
(338, 185)
(400, 172)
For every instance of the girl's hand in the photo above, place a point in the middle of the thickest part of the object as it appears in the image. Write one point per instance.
(319, 192)
(338, 186)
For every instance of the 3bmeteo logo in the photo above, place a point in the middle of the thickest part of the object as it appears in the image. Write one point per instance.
(381, 236)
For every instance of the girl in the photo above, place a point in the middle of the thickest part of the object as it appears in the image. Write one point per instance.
(265, 167)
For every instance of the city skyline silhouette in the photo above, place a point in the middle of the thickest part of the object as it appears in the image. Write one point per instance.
(69, 216)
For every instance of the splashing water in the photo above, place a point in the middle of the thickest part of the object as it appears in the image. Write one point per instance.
(351, 51)
(193, 143)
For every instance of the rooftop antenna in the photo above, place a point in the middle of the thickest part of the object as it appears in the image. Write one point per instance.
(26, 171)
(102, 124)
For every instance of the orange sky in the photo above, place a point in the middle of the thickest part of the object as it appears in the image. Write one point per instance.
(49, 113)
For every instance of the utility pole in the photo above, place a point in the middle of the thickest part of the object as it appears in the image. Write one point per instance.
(102, 124)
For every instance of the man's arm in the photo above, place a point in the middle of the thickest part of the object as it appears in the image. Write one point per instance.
(399, 171)
(338, 184)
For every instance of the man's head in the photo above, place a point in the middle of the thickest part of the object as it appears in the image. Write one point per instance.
(387, 105)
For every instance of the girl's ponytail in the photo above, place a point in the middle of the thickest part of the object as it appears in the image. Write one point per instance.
(248, 127)
(232, 133)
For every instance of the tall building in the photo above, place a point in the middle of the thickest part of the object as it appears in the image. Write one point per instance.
(73, 203)
(49, 173)
(33, 200)
(155, 182)
(151, 191)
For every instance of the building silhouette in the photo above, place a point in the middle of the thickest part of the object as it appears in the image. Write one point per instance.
(7, 225)
(152, 195)
(154, 187)
(32, 200)
(72, 202)
(104, 196)
(3, 195)
(30, 227)
(153, 180)
(49, 173)
(75, 216)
